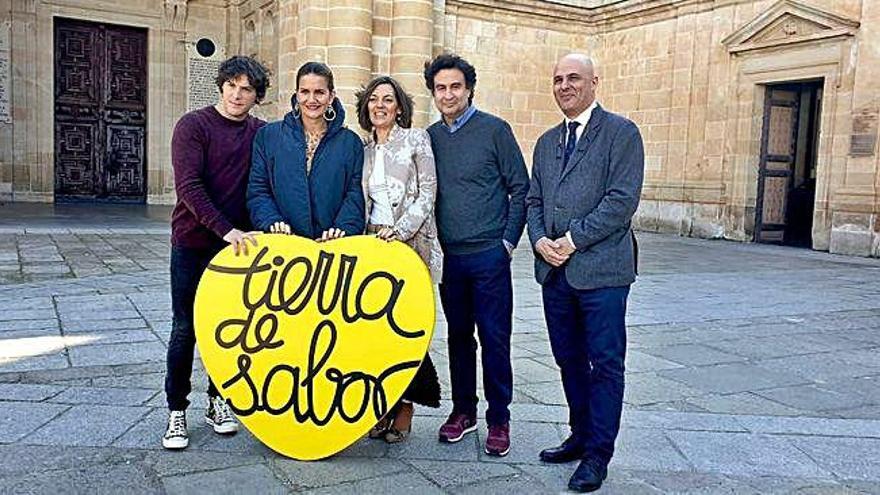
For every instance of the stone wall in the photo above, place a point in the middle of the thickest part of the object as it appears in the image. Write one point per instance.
(692, 74)
(27, 157)
(698, 100)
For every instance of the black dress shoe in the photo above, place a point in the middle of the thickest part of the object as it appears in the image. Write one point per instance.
(571, 449)
(588, 476)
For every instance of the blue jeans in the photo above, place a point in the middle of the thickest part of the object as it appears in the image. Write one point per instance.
(588, 337)
(477, 290)
(187, 266)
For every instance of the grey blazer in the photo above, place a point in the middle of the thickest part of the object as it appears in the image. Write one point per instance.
(594, 196)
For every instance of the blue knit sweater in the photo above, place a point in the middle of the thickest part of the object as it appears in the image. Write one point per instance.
(481, 184)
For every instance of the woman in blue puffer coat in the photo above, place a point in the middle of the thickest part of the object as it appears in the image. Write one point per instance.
(305, 176)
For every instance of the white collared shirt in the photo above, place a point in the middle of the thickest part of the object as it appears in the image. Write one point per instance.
(583, 119)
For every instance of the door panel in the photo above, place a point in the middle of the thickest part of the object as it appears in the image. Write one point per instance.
(775, 191)
(100, 111)
(778, 149)
(75, 154)
(125, 113)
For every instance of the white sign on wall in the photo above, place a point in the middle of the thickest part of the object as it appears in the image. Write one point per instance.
(201, 90)
(201, 71)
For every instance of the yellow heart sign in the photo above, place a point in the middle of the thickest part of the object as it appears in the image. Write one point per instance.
(311, 343)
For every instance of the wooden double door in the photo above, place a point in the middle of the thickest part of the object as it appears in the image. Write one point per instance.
(100, 112)
(787, 171)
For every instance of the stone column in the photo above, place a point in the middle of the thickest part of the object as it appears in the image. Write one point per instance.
(854, 195)
(167, 57)
(26, 156)
(412, 36)
(6, 141)
(290, 46)
(350, 50)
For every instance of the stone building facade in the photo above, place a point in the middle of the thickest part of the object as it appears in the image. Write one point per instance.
(760, 117)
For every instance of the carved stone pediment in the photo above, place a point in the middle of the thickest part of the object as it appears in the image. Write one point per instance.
(788, 22)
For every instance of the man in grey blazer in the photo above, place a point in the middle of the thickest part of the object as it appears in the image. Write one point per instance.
(586, 180)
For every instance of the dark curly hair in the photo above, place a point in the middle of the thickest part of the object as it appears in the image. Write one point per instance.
(238, 65)
(451, 61)
(404, 103)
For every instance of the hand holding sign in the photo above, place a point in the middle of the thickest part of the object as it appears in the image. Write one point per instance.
(312, 343)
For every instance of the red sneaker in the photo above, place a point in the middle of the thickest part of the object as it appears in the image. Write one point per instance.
(456, 426)
(498, 440)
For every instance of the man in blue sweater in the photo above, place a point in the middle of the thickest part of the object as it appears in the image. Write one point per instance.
(481, 188)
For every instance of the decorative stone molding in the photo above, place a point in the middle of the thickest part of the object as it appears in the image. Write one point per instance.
(788, 22)
(175, 14)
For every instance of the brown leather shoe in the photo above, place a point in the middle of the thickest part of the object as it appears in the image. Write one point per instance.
(402, 425)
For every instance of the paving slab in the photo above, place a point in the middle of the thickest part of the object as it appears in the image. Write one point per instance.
(167, 463)
(111, 354)
(812, 426)
(19, 459)
(731, 378)
(87, 425)
(694, 355)
(147, 432)
(27, 392)
(638, 361)
(56, 360)
(742, 403)
(411, 482)
(124, 478)
(450, 474)
(77, 326)
(527, 370)
(106, 396)
(847, 458)
(233, 481)
(814, 398)
(744, 454)
(650, 388)
(21, 418)
(648, 450)
(334, 471)
(20, 325)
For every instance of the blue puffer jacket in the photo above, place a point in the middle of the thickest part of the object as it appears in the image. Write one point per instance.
(330, 196)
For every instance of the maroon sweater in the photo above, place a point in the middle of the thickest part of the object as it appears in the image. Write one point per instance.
(211, 156)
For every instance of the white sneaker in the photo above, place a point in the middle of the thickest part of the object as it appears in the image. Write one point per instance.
(220, 417)
(176, 436)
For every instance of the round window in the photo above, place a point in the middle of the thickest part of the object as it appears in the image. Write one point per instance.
(205, 47)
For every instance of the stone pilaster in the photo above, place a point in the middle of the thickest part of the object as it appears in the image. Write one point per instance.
(26, 151)
(350, 49)
(412, 35)
(6, 147)
(288, 48)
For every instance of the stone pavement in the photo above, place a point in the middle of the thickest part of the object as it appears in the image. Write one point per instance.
(751, 369)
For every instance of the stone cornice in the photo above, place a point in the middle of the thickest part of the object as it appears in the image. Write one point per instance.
(549, 11)
(603, 14)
